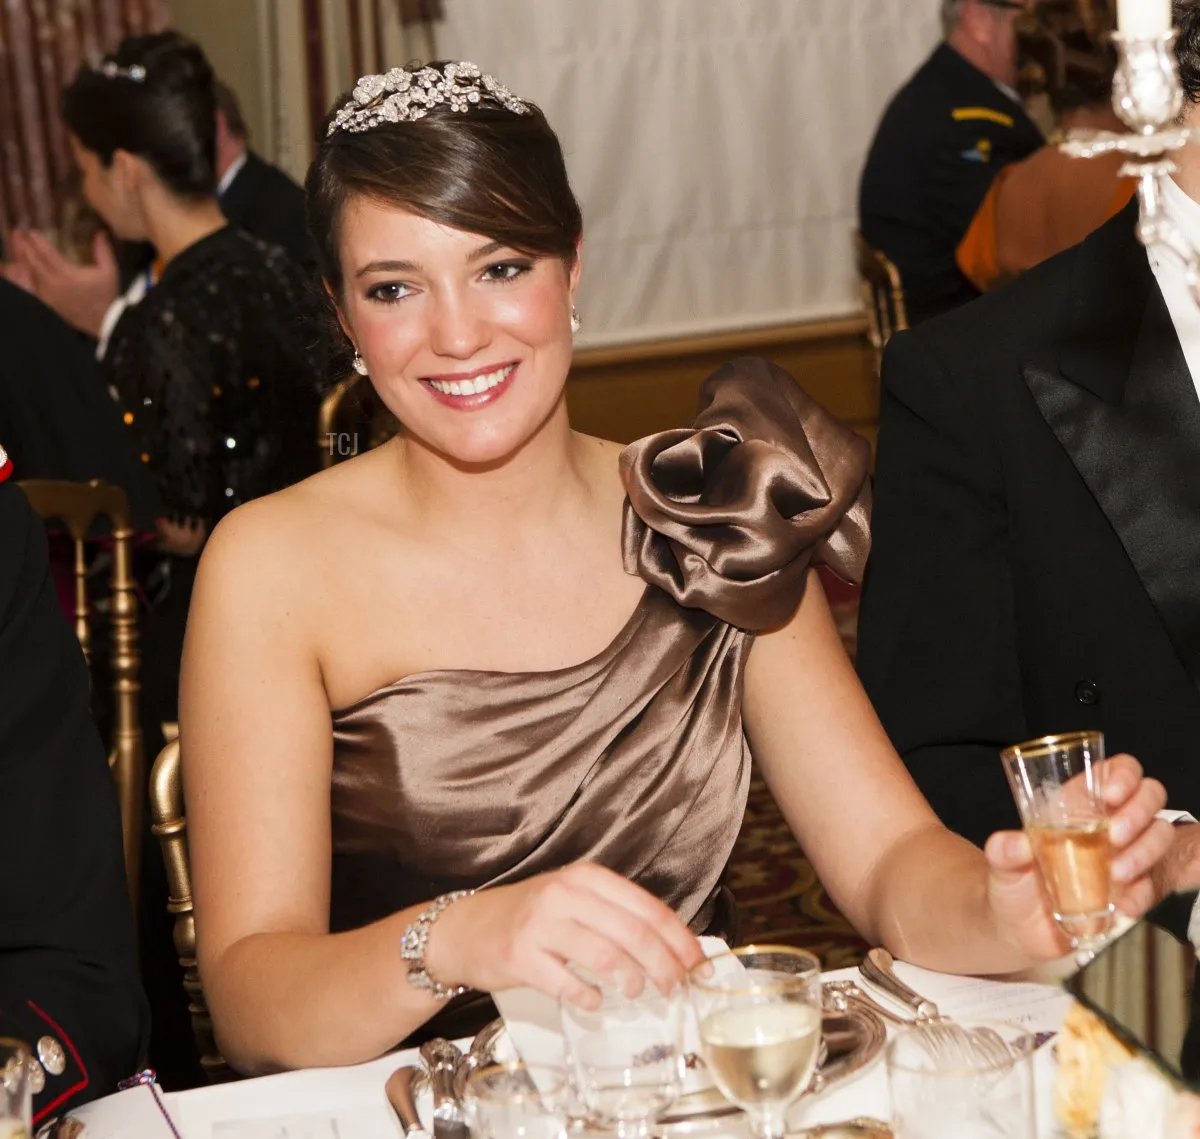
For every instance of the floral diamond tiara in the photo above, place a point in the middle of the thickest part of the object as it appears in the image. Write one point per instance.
(400, 96)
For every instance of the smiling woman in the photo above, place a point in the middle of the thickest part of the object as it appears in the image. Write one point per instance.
(474, 709)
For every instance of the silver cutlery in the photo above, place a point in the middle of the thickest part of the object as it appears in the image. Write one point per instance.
(841, 995)
(401, 1094)
(441, 1059)
(946, 1041)
(878, 968)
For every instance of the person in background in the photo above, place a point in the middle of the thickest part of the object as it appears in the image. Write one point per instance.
(1037, 524)
(943, 138)
(91, 295)
(68, 964)
(1048, 202)
(255, 195)
(213, 367)
(56, 418)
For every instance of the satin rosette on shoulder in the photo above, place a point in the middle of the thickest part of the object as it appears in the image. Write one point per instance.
(728, 515)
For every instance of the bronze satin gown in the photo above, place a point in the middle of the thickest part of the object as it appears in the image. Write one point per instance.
(634, 759)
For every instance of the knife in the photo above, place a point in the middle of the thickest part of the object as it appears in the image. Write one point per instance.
(442, 1058)
(399, 1092)
(876, 967)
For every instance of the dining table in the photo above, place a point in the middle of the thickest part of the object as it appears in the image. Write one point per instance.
(337, 1103)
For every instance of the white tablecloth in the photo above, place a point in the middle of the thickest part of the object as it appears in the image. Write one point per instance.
(328, 1102)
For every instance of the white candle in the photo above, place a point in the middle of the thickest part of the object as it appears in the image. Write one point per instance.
(1143, 18)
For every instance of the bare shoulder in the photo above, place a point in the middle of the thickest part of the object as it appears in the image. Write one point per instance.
(284, 544)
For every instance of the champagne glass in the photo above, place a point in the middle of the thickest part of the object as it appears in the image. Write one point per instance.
(14, 1090)
(759, 1011)
(1057, 783)
(624, 1058)
(516, 1101)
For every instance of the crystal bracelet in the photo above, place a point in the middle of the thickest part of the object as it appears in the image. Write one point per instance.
(412, 947)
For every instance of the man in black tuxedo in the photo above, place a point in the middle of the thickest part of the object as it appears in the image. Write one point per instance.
(68, 968)
(254, 195)
(1036, 562)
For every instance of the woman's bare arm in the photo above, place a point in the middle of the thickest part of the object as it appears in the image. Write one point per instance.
(887, 862)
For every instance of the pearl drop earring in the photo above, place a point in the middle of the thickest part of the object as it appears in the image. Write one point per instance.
(576, 323)
(359, 365)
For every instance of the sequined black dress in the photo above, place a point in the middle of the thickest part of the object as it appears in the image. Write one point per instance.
(215, 370)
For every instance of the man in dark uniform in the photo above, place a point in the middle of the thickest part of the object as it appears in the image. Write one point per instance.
(941, 141)
(68, 968)
(1036, 528)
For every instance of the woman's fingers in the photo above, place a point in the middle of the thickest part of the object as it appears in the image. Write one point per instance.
(1009, 852)
(1137, 812)
(1122, 775)
(1138, 858)
(682, 943)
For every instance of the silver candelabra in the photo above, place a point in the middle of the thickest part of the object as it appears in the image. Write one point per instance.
(1148, 96)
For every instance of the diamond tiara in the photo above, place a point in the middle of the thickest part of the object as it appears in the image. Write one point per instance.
(400, 96)
(113, 70)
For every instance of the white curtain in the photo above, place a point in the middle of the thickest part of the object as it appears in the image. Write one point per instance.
(715, 146)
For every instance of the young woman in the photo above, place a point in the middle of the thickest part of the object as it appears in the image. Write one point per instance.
(498, 655)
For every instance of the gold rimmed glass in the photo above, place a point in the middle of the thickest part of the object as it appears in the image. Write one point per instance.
(1058, 782)
(759, 1012)
(15, 1091)
(516, 1101)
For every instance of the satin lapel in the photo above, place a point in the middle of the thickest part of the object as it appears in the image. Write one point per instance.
(1122, 404)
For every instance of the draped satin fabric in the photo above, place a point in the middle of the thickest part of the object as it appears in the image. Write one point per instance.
(634, 759)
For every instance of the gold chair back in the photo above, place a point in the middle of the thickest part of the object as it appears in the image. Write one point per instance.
(352, 419)
(882, 296)
(78, 506)
(169, 824)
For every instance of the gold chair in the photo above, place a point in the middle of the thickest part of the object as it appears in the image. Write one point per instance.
(78, 506)
(169, 824)
(882, 296)
(352, 418)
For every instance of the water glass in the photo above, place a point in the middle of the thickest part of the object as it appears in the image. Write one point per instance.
(516, 1101)
(14, 1089)
(624, 1059)
(759, 1012)
(1057, 783)
(962, 1081)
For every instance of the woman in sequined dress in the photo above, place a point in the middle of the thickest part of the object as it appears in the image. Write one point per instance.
(475, 708)
(214, 368)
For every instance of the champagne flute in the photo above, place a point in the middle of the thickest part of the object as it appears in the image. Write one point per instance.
(624, 1058)
(1057, 782)
(759, 1011)
(15, 1106)
(516, 1101)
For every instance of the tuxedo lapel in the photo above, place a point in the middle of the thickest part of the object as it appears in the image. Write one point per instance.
(1120, 400)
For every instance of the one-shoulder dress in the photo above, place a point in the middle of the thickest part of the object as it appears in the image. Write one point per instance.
(636, 758)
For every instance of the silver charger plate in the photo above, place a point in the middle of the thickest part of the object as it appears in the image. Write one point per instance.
(852, 1038)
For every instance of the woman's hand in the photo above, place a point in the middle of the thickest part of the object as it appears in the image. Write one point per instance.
(1015, 892)
(533, 932)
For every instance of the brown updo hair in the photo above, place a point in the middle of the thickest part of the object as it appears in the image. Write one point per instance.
(487, 170)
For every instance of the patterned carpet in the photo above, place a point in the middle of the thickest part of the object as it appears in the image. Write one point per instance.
(778, 895)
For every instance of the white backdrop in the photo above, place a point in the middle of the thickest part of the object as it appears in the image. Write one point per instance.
(714, 145)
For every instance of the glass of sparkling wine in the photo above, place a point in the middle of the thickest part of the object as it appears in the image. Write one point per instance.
(1057, 783)
(624, 1059)
(759, 1012)
(14, 1090)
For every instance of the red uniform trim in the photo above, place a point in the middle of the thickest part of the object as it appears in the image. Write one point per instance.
(75, 1088)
